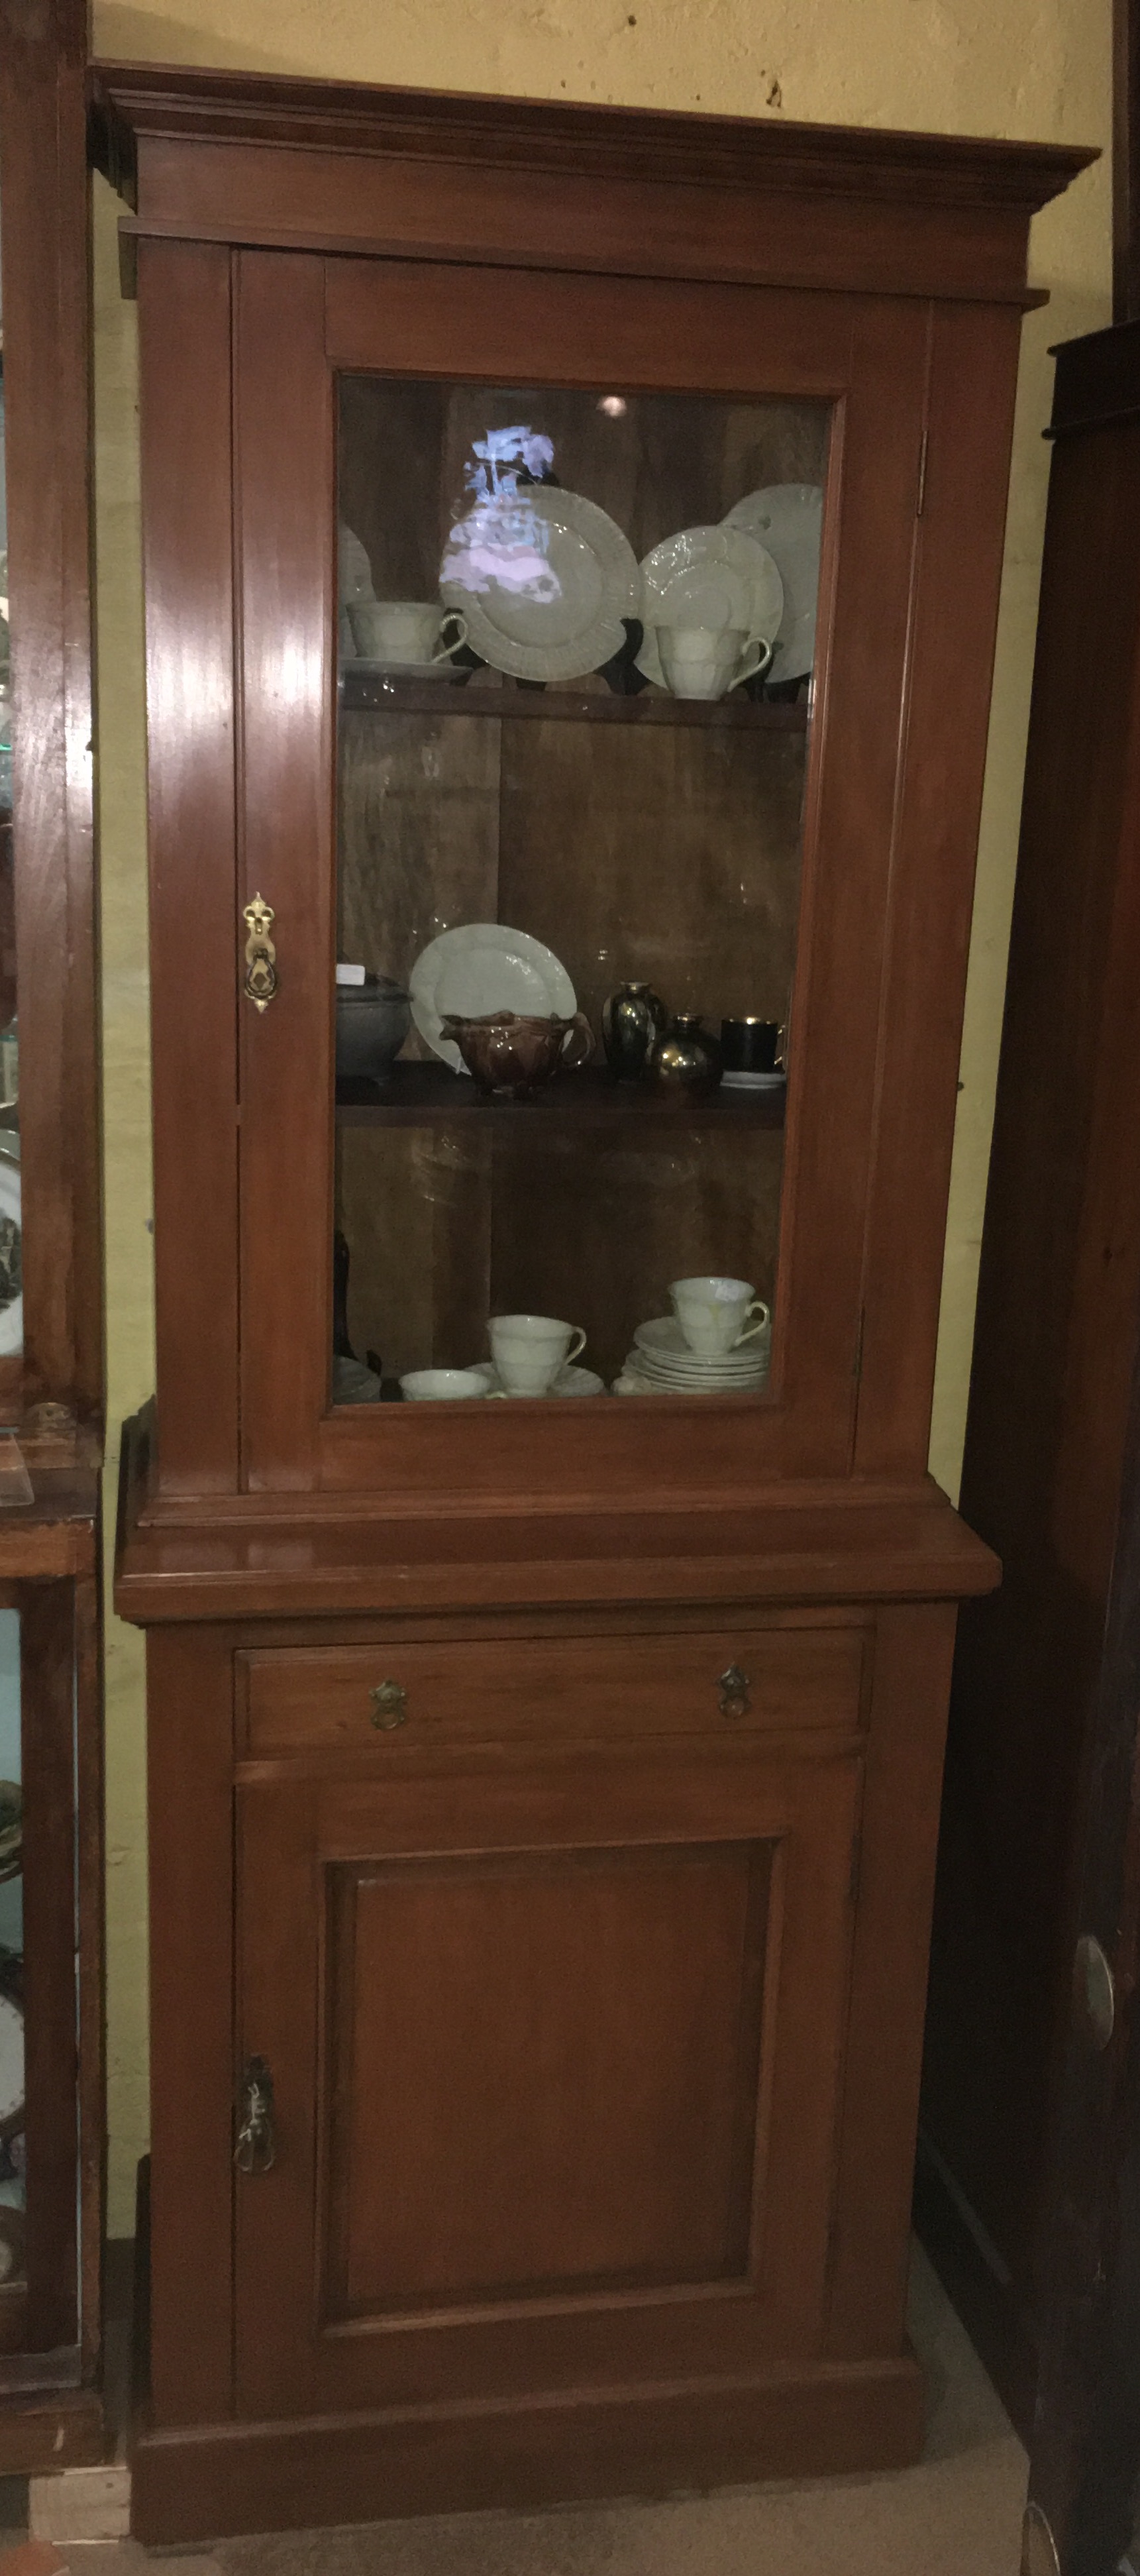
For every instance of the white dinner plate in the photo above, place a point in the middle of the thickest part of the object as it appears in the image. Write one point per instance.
(484, 966)
(788, 519)
(708, 577)
(544, 579)
(753, 1081)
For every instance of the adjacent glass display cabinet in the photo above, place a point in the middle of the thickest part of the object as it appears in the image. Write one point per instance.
(572, 543)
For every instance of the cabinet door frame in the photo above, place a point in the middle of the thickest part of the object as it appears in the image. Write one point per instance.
(293, 1832)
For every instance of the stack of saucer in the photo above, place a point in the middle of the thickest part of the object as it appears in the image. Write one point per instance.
(662, 1359)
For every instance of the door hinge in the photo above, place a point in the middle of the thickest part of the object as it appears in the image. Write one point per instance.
(920, 504)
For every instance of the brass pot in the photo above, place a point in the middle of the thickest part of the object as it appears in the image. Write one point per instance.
(686, 1058)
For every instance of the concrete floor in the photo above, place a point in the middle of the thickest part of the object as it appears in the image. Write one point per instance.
(957, 2514)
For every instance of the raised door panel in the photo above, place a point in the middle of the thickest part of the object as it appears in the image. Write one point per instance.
(556, 2059)
(542, 2073)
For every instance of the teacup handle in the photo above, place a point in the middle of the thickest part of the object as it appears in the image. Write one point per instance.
(578, 1042)
(754, 670)
(444, 650)
(763, 1318)
(577, 1343)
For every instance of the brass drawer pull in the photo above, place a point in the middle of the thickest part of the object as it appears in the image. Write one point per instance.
(260, 954)
(734, 1690)
(255, 2150)
(389, 1704)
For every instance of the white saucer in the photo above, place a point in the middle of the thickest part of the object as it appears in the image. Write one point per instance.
(754, 1081)
(571, 1380)
(366, 669)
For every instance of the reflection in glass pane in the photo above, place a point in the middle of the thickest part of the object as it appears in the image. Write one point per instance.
(576, 645)
(12, 2158)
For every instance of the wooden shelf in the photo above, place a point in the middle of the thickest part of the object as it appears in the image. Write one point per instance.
(485, 695)
(425, 1095)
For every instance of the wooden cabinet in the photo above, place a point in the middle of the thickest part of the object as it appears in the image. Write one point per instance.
(52, 2118)
(544, 1791)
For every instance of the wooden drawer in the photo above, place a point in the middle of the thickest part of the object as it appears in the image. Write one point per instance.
(297, 1699)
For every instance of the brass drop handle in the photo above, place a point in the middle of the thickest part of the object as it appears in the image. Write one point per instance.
(255, 2150)
(734, 1690)
(260, 954)
(389, 1704)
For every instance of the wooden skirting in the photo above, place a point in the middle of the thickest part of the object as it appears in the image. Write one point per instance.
(192, 2484)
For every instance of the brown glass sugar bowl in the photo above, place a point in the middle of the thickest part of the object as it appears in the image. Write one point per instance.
(507, 1052)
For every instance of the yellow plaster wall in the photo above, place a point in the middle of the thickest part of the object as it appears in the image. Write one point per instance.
(1038, 68)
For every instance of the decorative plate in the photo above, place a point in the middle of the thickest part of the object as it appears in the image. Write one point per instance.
(708, 577)
(484, 966)
(544, 579)
(788, 519)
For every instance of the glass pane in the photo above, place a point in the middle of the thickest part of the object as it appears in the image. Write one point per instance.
(12, 2162)
(11, 1299)
(576, 644)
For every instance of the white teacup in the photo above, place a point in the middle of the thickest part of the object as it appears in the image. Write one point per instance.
(442, 1386)
(409, 631)
(530, 1350)
(707, 661)
(713, 1314)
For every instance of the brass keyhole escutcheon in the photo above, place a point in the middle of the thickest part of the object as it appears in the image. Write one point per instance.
(389, 1704)
(260, 954)
(734, 1689)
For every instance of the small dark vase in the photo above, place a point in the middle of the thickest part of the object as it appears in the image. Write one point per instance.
(632, 1021)
(686, 1058)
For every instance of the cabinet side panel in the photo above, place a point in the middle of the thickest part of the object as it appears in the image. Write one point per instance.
(184, 295)
(190, 1804)
(910, 1691)
(962, 490)
(1058, 1299)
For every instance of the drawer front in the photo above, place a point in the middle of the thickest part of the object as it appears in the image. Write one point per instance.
(300, 1699)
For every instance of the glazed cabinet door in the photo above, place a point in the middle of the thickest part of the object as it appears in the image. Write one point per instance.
(547, 2062)
(583, 473)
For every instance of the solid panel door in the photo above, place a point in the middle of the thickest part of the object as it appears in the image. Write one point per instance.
(555, 2057)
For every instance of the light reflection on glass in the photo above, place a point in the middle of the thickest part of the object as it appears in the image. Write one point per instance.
(501, 539)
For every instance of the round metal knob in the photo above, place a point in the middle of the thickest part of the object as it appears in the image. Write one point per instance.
(389, 1704)
(734, 1690)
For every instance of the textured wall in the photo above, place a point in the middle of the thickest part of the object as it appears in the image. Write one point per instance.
(1037, 68)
